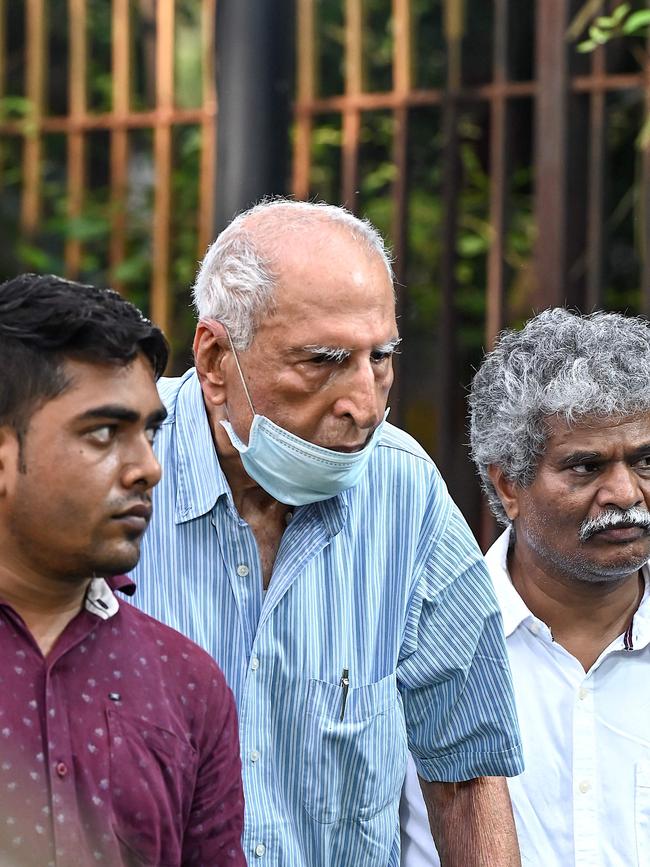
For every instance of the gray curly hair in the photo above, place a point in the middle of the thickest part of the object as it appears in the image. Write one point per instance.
(563, 365)
(237, 278)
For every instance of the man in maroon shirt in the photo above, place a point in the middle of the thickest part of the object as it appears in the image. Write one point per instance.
(118, 736)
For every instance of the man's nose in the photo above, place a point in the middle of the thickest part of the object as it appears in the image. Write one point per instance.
(363, 396)
(620, 487)
(141, 466)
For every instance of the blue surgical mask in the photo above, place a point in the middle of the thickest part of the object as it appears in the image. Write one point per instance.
(292, 470)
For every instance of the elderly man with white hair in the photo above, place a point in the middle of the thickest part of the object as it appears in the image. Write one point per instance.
(560, 434)
(314, 551)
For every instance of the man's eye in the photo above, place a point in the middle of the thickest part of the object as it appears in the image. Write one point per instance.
(584, 469)
(103, 434)
(644, 463)
(151, 432)
(378, 357)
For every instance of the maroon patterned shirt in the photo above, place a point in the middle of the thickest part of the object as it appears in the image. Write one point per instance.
(119, 748)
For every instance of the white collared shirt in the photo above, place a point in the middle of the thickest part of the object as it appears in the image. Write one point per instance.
(584, 798)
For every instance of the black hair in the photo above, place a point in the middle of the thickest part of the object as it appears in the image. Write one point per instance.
(46, 320)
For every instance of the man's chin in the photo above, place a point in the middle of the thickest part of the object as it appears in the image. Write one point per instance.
(117, 563)
(614, 569)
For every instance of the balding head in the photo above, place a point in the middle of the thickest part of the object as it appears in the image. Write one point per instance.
(238, 277)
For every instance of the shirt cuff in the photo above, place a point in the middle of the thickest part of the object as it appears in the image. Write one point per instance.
(457, 768)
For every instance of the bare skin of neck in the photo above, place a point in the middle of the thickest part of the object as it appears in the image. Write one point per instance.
(46, 606)
(584, 617)
(266, 517)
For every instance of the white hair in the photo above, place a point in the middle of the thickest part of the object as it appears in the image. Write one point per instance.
(236, 281)
(560, 365)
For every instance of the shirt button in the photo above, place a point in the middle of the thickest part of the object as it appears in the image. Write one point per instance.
(260, 849)
(583, 693)
(243, 570)
(584, 786)
(255, 663)
(61, 769)
(254, 756)
(534, 628)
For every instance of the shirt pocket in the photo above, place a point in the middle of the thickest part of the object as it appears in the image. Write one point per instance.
(152, 774)
(353, 768)
(642, 811)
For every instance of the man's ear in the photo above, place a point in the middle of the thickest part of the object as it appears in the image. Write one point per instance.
(210, 348)
(9, 457)
(507, 491)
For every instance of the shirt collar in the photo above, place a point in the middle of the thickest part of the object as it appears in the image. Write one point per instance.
(200, 479)
(101, 600)
(514, 610)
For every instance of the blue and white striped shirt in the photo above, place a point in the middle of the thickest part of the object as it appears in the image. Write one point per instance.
(384, 580)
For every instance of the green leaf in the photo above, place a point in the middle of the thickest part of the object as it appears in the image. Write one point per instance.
(597, 35)
(620, 12)
(36, 258)
(637, 21)
(586, 47)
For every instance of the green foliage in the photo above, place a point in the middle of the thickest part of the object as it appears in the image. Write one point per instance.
(623, 21)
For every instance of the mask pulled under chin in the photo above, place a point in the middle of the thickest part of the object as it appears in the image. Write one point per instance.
(295, 471)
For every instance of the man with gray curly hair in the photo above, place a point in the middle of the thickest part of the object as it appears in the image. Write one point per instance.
(313, 549)
(560, 434)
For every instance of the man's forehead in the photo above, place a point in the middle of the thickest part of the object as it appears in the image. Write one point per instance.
(131, 383)
(590, 430)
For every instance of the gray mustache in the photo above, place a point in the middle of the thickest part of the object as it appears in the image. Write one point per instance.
(634, 517)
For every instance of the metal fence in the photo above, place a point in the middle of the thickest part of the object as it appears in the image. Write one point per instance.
(501, 163)
(79, 122)
(512, 68)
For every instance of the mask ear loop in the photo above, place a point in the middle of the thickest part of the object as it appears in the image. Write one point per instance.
(241, 373)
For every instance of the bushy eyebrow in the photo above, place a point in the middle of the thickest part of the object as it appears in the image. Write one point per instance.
(590, 457)
(340, 353)
(117, 412)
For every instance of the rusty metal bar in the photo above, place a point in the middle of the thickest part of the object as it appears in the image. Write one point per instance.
(447, 325)
(644, 193)
(3, 73)
(605, 81)
(595, 186)
(367, 101)
(306, 93)
(208, 132)
(551, 152)
(498, 178)
(119, 145)
(77, 20)
(162, 162)
(399, 230)
(498, 196)
(351, 113)
(110, 121)
(34, 88)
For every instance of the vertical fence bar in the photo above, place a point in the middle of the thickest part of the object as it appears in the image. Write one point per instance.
(208, 131)
(3, 74)
(498, 197)
(551, 152)
(498, 178)
(305, 95)
(77, 21)
(351, 113)
(32, 145)
(594, 293)
(162, 161)
(644, 193)
(447, 348)
(119, 146)
(399, 231)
